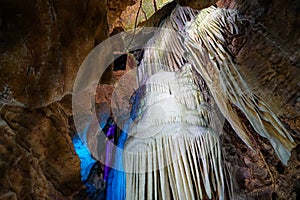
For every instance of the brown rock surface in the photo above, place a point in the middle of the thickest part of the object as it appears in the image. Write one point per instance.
(37, 156)
(42, 46)
(116, 8)
(128, 14)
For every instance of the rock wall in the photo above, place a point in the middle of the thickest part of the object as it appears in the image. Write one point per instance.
(42, 44)
(37, 156)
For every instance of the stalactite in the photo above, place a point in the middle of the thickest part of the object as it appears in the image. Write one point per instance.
(211, 59)
(176, 153)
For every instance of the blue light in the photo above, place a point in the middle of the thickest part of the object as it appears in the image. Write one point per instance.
(116, 183)
(86, 160)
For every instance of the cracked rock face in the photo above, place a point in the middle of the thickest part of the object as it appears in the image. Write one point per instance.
(37, 157)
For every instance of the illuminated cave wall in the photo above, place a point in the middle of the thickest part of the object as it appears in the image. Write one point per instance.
(42, 44)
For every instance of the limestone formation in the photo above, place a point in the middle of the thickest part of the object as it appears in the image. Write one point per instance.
(43, 43)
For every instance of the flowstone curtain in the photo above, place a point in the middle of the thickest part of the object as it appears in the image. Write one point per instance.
(174, 152)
